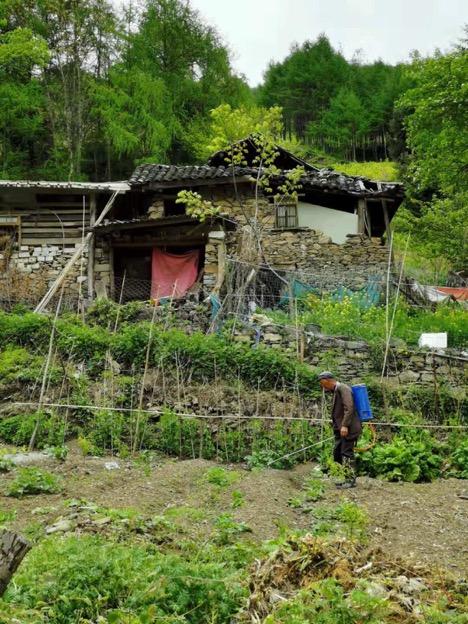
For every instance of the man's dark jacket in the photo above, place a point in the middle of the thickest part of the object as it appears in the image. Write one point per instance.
(343, 412)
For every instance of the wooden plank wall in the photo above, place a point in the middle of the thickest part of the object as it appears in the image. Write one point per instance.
(55, 223)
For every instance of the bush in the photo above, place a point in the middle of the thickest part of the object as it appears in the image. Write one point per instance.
(18, 429)
(24, 329)
(107, 313)
(458, 461)
(33, 481)
(353, 316)
(82, 342)
(17, 365)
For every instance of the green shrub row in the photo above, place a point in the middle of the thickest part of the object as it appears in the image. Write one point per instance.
(205, 356)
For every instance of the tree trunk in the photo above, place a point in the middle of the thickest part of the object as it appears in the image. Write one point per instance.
(13, 548)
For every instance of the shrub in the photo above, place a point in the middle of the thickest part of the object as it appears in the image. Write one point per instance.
(458, 461)
(353, 315)
(18, 429)
(17, 365)
(107, 313)
(33, 481)
(221, 477)
(24, 329)
(81, 341)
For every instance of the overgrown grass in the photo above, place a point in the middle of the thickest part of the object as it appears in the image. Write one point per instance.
(386, 171)
(96, 580)
(349, 317)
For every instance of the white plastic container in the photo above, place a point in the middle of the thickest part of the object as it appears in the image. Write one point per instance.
(433, 341)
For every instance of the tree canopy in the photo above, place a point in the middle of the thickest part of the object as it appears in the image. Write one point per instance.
(88, 93)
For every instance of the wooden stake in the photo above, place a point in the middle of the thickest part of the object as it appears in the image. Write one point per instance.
(32, 441)
(92, 221)
(13, 548)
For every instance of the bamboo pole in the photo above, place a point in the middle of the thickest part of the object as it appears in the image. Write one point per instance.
(395, 305)
(45, 376)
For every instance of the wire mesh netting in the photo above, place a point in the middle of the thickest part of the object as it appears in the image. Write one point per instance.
(248, 286)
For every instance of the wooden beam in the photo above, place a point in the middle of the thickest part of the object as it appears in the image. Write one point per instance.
(92, 243)
(361, 211)
(388, 228)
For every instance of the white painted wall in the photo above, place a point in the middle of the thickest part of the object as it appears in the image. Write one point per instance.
(333, 223)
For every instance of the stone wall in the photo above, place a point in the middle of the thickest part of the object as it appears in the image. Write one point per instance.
(352, 360)
(323, 262)
(32, 269)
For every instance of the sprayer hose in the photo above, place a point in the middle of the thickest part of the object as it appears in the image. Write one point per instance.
(371, 443)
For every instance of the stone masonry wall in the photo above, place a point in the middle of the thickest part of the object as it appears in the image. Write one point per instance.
(32, 269)
(304, 250)
(352, 360)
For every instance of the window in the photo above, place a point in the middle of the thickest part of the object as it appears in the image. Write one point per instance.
(286, 215)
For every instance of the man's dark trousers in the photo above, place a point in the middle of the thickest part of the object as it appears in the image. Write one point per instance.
(343, 453)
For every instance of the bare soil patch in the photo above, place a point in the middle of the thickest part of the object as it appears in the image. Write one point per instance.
(421, 522)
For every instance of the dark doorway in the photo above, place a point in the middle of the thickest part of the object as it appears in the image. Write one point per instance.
(132, 274)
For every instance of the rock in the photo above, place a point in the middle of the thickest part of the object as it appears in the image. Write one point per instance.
(376, 590)
(408, 376)
(61, 526)
(27, 459)
(102, 521)
(409, 585)
(112, 465)
(272, 338)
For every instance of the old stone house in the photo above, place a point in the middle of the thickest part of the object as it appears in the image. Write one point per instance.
(131, 239)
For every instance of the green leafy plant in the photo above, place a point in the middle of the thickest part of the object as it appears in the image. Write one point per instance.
(31, 481)
(18, 429)
(57, 452)
(354, 520)
(326, 602)
(228, 528)
(6, 465)
(238, 499)
(221, 477)
(404, 460)
(458, 461)
(112, 582)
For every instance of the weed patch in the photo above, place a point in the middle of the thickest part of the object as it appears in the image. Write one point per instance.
(31, 481)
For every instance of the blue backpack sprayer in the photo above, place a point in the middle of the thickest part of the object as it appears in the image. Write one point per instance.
(363, 408)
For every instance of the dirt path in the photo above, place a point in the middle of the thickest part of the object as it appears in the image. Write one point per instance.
(424, 522)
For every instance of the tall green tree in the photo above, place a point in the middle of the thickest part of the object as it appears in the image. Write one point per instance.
(436, 117)
(22, 100)
(173, 44)
(305, 82)
(346, 120)
(80, 36)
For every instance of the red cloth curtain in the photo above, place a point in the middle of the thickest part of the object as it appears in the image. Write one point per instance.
(173, 274)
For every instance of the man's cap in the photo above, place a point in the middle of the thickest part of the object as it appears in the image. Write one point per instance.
(326, 375)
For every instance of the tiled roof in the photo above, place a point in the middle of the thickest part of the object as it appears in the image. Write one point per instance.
(147, 174)
(64, 186)
(324, 179)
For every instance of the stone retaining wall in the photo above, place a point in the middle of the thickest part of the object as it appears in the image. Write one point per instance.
(352, 360)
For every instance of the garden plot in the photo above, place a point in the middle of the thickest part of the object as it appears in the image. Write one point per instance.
(424, 522)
